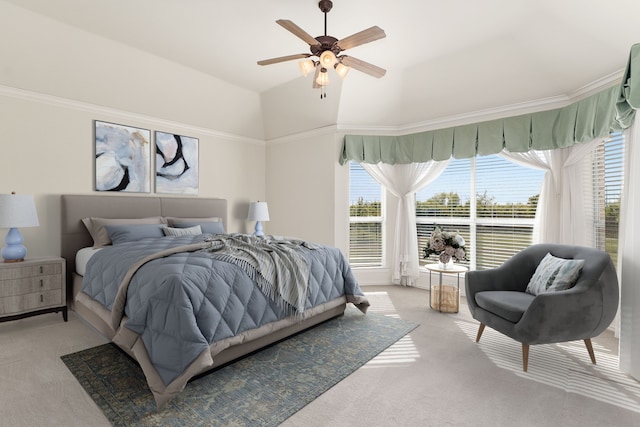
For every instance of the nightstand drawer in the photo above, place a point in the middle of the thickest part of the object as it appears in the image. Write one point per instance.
(29, 285)
(22, 271)
(33, 301)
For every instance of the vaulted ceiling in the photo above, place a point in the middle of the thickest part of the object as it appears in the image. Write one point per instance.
(443, 58)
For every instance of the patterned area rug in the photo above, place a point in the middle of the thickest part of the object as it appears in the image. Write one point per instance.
(263, 389)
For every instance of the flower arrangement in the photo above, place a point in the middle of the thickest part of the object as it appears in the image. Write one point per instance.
(446, 245)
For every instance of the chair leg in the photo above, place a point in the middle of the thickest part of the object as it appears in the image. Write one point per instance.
(480, 331)
(525, 357)
(592, 355)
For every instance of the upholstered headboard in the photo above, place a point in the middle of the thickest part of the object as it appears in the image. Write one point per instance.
(74, 235)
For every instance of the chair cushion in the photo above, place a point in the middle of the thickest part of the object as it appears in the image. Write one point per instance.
(509, 305)
(554, 274)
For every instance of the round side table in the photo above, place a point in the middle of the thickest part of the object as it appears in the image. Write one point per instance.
(445, 298)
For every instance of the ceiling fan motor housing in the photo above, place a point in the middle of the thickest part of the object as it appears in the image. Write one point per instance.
(325, 5)
(325, 43)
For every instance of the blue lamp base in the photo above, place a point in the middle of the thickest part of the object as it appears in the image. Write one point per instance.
(14, 251)
(258, 231)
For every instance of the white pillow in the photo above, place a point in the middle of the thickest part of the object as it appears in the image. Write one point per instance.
(190, 231)
(554, 274)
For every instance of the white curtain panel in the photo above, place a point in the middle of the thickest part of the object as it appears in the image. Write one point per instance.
(629, 256)
(560, 215)
(403, 180)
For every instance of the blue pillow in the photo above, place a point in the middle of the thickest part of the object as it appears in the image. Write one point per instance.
(132, 232)
(206, 227)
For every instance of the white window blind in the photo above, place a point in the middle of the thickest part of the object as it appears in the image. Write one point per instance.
(497, 222)
(507, 197)
(449, 195)
(497, 243)
(603, 198)
(365, 219)
(445, 202)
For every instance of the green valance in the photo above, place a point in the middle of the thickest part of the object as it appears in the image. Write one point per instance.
(610, 110)
(629, 92)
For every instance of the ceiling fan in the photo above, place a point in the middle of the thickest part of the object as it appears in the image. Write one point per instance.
(328, 49)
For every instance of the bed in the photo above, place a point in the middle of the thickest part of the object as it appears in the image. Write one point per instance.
(196, 288)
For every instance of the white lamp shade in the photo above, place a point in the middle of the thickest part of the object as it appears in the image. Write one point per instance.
(258, 211)
(306, 66)
(17, 211)
(327, 59)
(323, 77)
(342, 70)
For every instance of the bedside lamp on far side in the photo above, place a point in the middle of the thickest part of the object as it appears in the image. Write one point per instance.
(258, 211)
(16, 211)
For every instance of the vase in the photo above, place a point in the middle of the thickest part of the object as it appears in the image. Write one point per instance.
(445, 265)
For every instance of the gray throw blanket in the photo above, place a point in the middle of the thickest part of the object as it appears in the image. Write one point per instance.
(280, 272)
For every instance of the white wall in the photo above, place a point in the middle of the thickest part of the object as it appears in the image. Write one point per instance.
(49, 57)
(300, 178)
(295, 107)
(55, 80)
(48, 149)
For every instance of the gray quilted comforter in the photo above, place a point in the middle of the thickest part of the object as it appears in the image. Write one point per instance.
(180, 303)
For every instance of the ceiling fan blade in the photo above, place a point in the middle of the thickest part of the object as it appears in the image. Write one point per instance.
(364, 36)
(297, 31)
(283, 59)
(363, 66)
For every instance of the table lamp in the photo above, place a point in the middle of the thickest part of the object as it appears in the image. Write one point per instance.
(258, 211)
(16, 211)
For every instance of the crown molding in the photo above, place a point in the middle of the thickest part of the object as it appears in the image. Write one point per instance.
(526, 107)
(596, 86)
(101, 111)
(516, 109)
(463, 119)
(325, 130)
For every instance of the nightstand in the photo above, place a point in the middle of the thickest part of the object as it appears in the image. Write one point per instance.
(33, 286)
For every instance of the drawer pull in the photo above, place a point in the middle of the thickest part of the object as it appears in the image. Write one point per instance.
(41, 283)
(41, 269)
(41, 298)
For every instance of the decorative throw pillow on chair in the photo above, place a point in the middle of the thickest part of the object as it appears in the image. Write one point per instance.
(554, 274)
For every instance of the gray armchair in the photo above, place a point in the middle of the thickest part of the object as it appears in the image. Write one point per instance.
(497, 299)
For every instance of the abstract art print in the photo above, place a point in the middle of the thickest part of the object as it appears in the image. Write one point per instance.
(123, 158)
(176, 164)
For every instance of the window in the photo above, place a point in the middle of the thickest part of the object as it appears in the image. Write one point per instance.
(496, 223)
(498, 220)
(445, 202)
(365, 219)
(506, 202)
(606, 167)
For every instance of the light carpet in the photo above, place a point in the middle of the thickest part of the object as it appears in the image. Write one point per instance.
(563, 365)
(263, 389)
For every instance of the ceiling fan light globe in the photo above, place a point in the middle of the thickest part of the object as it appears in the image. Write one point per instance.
(323, 77)
(327, 59)
(307, 66)
(342, 70)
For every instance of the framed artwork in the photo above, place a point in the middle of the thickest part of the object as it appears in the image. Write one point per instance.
(123, 158)
(176, 164)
